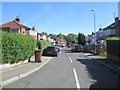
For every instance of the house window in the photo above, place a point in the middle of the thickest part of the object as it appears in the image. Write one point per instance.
(15, 31)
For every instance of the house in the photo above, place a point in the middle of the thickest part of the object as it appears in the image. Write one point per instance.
(41, 36)
(48, 38)
(15, 26)
(61, 42)
(99, 38)
(113, 30)
(31, 31)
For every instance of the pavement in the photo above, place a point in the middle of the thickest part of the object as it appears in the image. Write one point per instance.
(15, 72)
(110, 64)
(19, 71)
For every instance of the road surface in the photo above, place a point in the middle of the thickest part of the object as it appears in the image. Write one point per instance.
(69, 70)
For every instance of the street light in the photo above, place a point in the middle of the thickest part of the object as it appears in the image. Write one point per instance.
(94, 30)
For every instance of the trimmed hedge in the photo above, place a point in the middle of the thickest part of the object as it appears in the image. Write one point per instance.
(0, 47)
(113, 46)
(42, 44)
(17, 47)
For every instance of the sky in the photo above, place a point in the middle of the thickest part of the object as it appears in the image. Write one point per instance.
(61, 17)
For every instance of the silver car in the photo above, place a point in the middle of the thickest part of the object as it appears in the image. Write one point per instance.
(77, 48)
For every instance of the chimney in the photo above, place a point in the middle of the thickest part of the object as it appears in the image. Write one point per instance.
(116, 20)
(100, 29)
(17, 19)
(93, 33)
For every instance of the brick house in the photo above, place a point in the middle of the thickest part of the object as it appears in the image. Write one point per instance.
(61, 42)
(15, 26)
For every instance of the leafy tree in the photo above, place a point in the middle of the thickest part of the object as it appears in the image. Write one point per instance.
(54, 36)
(44, 33)
(62, 36)
(71, 38)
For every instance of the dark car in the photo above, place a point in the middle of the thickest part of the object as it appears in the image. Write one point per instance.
(77, 48)
(51, 51)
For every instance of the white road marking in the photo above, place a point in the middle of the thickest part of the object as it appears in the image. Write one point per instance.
(70, 59)
(76, 79)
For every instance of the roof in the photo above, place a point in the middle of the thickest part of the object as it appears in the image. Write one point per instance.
(11, 24)
(27, 28)
(14, 24)
(110, 26)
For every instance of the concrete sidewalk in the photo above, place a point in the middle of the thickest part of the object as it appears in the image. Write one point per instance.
(12, 74)
(111, 65)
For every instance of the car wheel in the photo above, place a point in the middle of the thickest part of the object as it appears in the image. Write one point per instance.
(56, 54)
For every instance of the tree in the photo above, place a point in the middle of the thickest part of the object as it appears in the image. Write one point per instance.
(44, 33)
(53, 36)
(81, 38)
(71, 38)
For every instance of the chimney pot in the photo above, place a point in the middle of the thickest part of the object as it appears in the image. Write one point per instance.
(18, 19)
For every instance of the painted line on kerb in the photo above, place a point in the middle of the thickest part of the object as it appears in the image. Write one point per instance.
(76, 79)
(70, 59)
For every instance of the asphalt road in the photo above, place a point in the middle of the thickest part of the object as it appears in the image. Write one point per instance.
(69, 70)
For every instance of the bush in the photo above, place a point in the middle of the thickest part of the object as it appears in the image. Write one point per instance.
(42, 44)
(113, 46)
(16, 47)
(0, 47)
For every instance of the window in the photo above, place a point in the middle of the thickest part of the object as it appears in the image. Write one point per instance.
(15, 31)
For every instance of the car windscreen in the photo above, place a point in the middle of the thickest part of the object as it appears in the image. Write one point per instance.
(51, 48)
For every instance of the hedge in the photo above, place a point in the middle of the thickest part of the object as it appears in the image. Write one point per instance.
(113, 46)
(17, 47)
(0, 47)
(42, 44)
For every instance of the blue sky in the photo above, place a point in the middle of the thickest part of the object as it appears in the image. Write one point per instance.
(61, 17)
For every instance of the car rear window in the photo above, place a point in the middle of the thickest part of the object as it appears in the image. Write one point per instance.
(51, 48)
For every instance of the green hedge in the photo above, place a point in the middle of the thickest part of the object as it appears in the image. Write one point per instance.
(16, 47)
(0, 47)
(43, 44)
(113, 46)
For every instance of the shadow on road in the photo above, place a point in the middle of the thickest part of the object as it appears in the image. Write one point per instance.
(103, 77)
(69, 51)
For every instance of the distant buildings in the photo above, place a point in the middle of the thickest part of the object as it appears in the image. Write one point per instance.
(61, 42)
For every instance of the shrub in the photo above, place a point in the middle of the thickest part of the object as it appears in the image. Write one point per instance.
(0, 47)
(16, 47)
(42, 44)
(113, 46)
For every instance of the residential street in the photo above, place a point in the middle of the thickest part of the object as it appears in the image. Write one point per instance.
(69, 70)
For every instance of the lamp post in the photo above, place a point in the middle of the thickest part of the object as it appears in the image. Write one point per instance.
(94, 31)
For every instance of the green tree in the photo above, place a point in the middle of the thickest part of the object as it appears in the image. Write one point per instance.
(81, 38)
(53, 36)
(62, 36)
(45, 33)
(71, 38)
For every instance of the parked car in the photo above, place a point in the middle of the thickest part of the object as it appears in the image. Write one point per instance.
(118, 69)
(51, 51)
(68, 46)
(77, 48)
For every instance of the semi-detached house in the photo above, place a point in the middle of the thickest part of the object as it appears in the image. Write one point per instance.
(15, 26)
